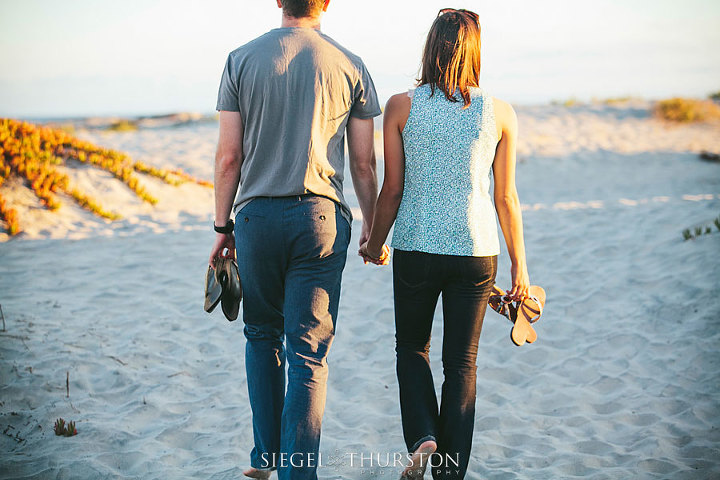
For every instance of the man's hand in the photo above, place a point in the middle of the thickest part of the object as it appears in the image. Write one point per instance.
(365, 232)
(223, 241)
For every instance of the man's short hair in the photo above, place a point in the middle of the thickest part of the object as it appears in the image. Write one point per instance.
(302, 8)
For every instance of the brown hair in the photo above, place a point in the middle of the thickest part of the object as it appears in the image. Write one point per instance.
(451, 58)
(302, 8)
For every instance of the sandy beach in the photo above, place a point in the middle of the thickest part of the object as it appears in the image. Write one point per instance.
(623, 382)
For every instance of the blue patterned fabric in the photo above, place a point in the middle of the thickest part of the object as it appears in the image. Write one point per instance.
(446, 206)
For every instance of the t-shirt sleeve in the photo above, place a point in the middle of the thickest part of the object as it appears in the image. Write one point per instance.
(228, 92)
(365, 104)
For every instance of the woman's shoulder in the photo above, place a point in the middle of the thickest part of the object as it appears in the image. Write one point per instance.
(399, 104)
(505, 116)
(502, 107)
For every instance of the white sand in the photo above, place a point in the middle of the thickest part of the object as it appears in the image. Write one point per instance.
(623, 382)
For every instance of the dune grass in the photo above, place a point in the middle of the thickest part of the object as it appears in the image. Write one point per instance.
(33, 152)
(687, 110)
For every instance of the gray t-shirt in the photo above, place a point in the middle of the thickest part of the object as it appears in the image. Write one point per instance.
(295, 89)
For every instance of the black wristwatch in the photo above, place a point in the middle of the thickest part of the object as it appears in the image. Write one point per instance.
(227, 229)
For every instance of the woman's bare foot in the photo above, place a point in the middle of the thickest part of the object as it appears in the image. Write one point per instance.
(419, 460)
(255, 473)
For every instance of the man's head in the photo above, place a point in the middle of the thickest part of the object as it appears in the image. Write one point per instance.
(303, 8)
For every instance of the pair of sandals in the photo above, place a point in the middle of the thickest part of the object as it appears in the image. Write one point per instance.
(521, 314)
(222, 285)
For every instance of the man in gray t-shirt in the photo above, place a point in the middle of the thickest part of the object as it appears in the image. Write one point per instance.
(286, 100)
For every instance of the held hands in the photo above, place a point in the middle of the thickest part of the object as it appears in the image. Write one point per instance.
(368, 256)
(223, 242)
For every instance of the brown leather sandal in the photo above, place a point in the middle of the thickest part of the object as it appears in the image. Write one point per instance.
(521, 314)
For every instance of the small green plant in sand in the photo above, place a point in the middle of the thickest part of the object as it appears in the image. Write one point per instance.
(686, 110)
(64, 430)
(695, 232)
(33, 152)
(715, 96)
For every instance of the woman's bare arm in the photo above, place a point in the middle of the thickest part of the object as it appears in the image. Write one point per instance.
(507, 202)
(396, 114)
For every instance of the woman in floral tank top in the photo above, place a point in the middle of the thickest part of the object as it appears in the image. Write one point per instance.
(441, 142)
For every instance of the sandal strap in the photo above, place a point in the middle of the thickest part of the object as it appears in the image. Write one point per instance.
(537, 313)
(502, 304)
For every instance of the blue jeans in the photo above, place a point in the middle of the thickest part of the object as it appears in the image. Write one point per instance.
(464, 283)
(291, 253)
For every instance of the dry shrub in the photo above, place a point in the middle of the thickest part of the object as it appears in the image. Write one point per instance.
(10, 216)
(685, 110)
(123, 126)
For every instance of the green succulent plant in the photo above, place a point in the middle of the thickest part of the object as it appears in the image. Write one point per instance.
(63, 430)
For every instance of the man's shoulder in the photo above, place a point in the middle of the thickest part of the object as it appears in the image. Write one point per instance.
(353, 58)
(254, 44)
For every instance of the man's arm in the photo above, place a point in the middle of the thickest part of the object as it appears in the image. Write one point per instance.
(363, 169)
(228, 160)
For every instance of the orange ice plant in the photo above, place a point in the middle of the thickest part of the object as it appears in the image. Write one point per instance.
(32, 152)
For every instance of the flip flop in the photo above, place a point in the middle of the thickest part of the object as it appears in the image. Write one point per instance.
(529, 310)
(498, 301)
(532, 307)
(526, 313)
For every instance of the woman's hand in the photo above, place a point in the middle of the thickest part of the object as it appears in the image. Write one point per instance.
(378, 258)
(520, 283)
(222, 241)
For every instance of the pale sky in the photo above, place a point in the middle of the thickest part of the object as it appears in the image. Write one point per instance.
(100, 57)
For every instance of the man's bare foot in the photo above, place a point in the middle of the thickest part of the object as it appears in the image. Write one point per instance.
(419, 460)
(255, 473)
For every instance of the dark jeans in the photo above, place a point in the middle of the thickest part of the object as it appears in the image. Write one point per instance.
(465, 283)
(291, 253)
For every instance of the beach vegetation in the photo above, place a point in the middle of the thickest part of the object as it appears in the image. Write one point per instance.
(569, 102)
(68, 128)
(686, 110)
(123, 126)
(63, 429)
(618, 100)
(10, 216)
(33, 153)
(698, 230)
(715, 96)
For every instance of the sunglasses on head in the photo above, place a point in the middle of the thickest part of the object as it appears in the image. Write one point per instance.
(461, 11)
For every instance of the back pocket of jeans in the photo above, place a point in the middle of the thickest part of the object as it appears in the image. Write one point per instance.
(411, 269)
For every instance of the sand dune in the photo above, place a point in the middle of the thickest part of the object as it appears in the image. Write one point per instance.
(622, 383)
